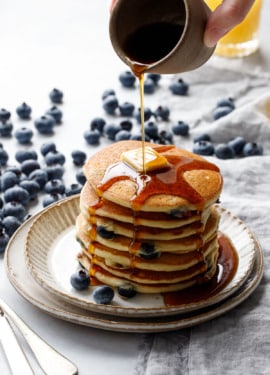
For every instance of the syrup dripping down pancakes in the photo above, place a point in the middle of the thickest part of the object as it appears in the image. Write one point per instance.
(156, 231)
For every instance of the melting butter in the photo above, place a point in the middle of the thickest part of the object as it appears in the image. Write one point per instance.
(152, 160)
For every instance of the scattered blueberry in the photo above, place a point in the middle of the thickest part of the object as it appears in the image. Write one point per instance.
(32, 187)
(151, 129)
(16, 194)
(162, 112)
(110, 104)
(237, 144)
(51, 198)
(147, 114)
(179, 87)
(14, 209)
(154, 77)
(5, 129)
(126, 125)
(92, 137)
(110, 130)
(3, 157)
(180, 128)
(54, 157)
(56, 96)
(205, 148)
(202, 137)
(103, 294)
(227, 102)
(40, 176)
(54, 171)
(123, 135)
(24, 111)
(252, 149)
(221, 112)
(8, 179)
(78, 157)
(107, 93)
(127, 79)
(126, 109)
(4, 115)
(80, 280)
(11, 224)
(80, 177)
(224, 151)
(45, 124)
(54, 186)
(97, 123)
(47, 147)
(22, 155)
(73, 189)
(56, 113)
(149, 86)
(29, 165)
(126, 290)
(104, 232)
(24, 135)
(165, 137)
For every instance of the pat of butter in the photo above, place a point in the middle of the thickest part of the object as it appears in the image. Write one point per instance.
(152, 159)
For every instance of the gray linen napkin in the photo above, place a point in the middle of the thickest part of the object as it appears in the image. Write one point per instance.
(238, 342)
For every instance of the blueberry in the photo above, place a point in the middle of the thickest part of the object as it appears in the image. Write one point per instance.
(126, 109)
(51, 198)
(15, 169)
(47, 147)
(105, 233)
(22, 155)
(6, 129)
(149, 86)
(97, 123)
(180, 128)
(252, 149)
(221, 112)
(110, 104)
(3, 157)
(4, 239)
(54, 186)
(127, 79)
(110, 130)
(165, 137)
(224, 151)
(54, 171)
(8, 179)
(32, 187)
(147, 114)
(126, 125)
(16, 194)
(56, 96)
(73, 189)
(154, 77)
(123, 135)
(162, 112)
(14, 209)
(92, 137)
(148, 251)
(237, 144)
(54, 157)
(80, 177)
(4, 115)
(29, 165)
(45, 124)
(126, 290)
(11, 224)
(24, 111)
(80, 280)
(179, 87)
(203, 148)
(227, 102)
(103, 294)
(107, 93)
(78, 157)
(56, 113)
(24, 135)
(39, 176)
(151, 129)
(202, 137)
(1, 203)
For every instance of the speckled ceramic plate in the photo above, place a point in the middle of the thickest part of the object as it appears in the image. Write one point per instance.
(50, 253)
(21, 279)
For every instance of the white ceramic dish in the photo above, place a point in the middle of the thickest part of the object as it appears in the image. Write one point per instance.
(22, 281)
(51, 249)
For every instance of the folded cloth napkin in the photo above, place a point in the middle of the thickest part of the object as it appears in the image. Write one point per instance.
(237, 342)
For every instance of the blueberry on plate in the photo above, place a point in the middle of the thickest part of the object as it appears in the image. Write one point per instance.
(39, 176)
(5, 129)
(16, 194)
(205, 148)
(32, 187)
(151, 129)
(202, 137)
(107, 93)
(8, 179)
(14, 209)
(126, 109)
(45, 124)
(92, 137)
(123, 135)
(180, 128)
(221, 112)
(97, 123)
(103, 294)
(147, 114)
(224, 151)
(252, 149)
(4, 239)
(54, 171)
(54, 157)
(24, 135)
(227, 102)
(103, 232)
(110, 104)
(110, 130)
(54, 186)
(80, 280)
(162, 112)
(4, 115)
(51, 198)
(47, 147)
(237, 144)
(179, 87)
(56, 113)
(149, 86)
(127, 79)
(22, 155)
(29, 165)
(11, 224)
(126, 290)
(56, 96)
(73, 189)
(3, 157)
(78, 157)
(24, 111)
(80, 177)
(154, 77)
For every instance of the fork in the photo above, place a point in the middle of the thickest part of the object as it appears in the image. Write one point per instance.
(49, 359)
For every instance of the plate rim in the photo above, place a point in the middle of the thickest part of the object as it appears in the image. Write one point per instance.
(131, 310)
(84, 317)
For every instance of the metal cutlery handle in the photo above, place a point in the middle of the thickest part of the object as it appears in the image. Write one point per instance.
(50, 360)
(17, 360)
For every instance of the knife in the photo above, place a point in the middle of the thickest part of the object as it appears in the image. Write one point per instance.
(17, 360)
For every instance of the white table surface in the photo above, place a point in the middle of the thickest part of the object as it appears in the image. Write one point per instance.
(65, 44)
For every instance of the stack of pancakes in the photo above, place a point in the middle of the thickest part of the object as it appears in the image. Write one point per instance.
(154, 231)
